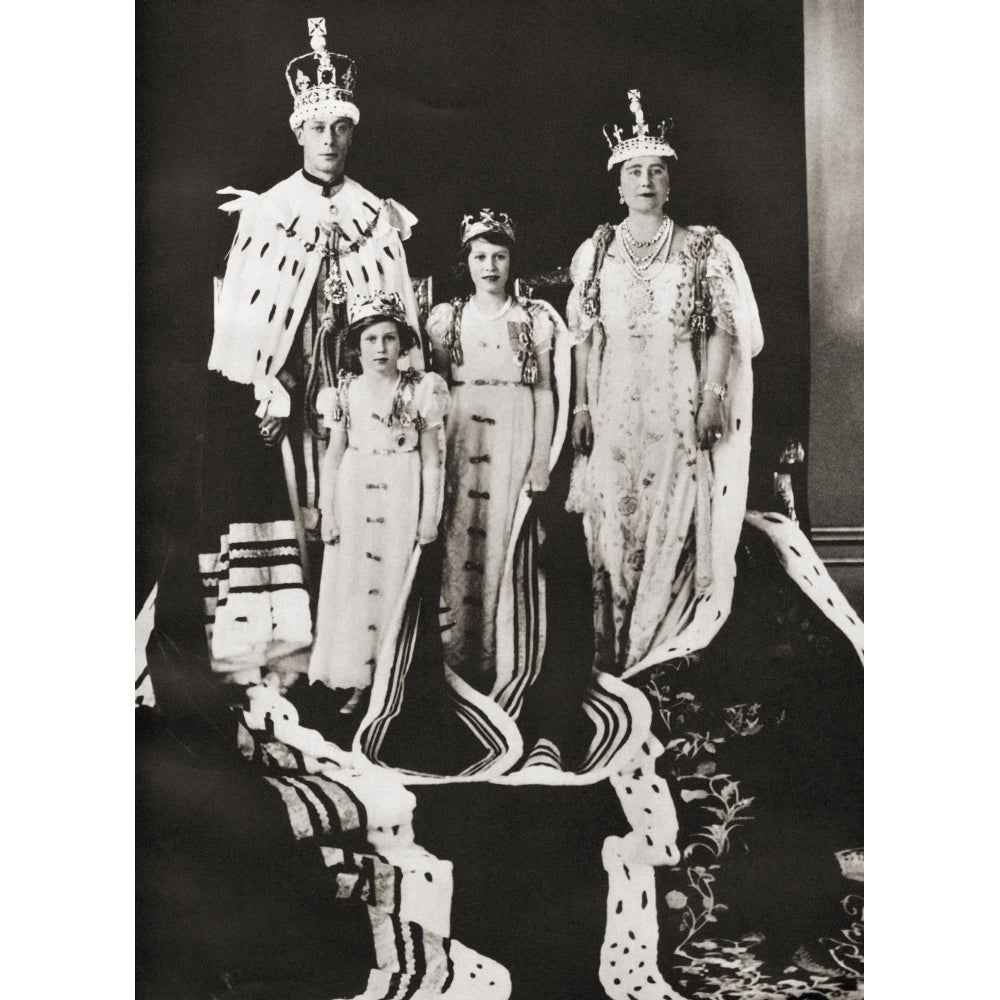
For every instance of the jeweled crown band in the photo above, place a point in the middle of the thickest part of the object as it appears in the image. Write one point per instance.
(321, 82)
(487, 221)
(642, 142)
(387, 304)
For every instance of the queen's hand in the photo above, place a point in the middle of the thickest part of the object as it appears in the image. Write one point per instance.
(709, 423)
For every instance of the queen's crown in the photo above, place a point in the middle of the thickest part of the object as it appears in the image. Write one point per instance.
(643, 141)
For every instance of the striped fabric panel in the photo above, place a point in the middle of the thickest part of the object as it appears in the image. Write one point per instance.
(611, 714)
(368, 877)
(372, 737)
(410, 883)
(544, 754)
(251, 558)
(527, 588)
(213, 568)
(298, 812)
(415, 959)
(275, 755)
(492, 739)
(319, 808)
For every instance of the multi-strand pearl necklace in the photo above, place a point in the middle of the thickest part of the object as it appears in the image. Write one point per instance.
(639, 263)
(646, 243)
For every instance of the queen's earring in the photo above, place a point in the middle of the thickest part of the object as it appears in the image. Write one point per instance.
(621, 197)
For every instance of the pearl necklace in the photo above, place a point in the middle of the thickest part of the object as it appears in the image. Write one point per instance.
(639, 266)
(491, 316)
(645, 243)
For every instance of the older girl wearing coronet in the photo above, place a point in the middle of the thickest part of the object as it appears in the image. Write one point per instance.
(495, 349)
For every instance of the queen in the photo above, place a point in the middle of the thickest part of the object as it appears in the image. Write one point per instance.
(664, 325)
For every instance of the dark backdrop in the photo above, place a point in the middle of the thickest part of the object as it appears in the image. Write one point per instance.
(463, 103)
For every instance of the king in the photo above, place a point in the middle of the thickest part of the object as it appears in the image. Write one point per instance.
(304, 251)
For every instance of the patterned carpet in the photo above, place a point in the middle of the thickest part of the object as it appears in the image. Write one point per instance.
(764, 741)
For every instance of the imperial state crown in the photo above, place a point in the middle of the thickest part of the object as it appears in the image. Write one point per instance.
(321, 82)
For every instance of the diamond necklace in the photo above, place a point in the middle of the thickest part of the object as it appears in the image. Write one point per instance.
(645, 243)
(640, 265)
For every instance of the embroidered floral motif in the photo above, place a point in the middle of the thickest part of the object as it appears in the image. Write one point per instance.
(404, 414)
(628, 505)
(744, 720)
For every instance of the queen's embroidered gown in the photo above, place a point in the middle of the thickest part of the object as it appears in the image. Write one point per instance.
(491, 440)
(648, 533)
(377, 505)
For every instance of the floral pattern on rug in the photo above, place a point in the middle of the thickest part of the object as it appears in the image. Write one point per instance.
(763, 742)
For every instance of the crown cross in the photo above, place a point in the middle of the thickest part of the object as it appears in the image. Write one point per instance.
(640, 127)
(317, 33)
(642, 142)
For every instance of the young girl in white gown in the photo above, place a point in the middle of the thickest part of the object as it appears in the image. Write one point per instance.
(494, 347)
(380, 488)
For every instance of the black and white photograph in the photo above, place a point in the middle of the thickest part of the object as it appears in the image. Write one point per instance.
(500, 508)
